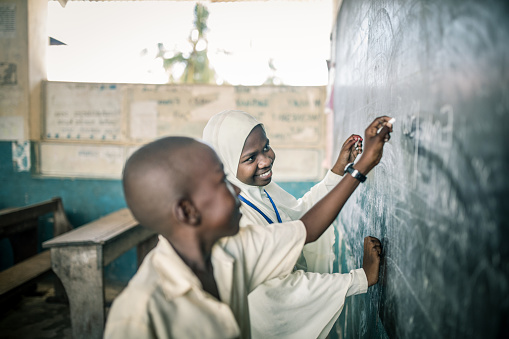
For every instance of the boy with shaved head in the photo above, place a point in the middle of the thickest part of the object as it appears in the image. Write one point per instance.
(195, 283)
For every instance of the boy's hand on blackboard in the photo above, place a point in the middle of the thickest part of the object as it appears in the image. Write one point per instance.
(351, 148)
(371, 259)
(375, 136)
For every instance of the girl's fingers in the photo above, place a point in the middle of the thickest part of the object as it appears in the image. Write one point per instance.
(378, 123)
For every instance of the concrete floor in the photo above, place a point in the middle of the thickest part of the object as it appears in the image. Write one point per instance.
(32, 316)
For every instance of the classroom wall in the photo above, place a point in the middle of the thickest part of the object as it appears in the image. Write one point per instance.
(439, 198)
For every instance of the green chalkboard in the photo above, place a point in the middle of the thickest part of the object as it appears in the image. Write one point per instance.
(439, 200)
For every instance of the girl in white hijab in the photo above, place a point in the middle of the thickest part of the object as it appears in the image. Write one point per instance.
(302, 304)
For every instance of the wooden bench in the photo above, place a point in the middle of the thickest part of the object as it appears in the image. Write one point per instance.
(20, 226)
(79, 257)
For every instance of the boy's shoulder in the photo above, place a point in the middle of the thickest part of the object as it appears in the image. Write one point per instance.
(159, 300)
(129, 315)
(146, 296)
(252, 237)
(140, 290)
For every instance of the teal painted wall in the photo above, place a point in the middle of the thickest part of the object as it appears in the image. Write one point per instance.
(84, 200)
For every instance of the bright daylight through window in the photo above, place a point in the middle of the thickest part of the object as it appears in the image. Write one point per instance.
(245, 42)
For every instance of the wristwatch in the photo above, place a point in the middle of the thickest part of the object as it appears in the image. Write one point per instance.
(354, 173)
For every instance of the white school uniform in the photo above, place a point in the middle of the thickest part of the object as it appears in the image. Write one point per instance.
(299, 305)
(319, 255)
(165, 299)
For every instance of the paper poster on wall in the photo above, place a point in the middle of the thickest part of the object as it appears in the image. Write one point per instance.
(294, 115)
(209, 100)
(131, 150)
(143, 122)
(173, 105)
(11, 128)
(298, 164)
(12, 100)
(59, 159)
(7, 20)
(129, 115)
(8, 74)
(77, 111)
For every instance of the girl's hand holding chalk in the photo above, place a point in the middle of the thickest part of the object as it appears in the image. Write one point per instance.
(373, 143)
(351, 148)
(388, 123)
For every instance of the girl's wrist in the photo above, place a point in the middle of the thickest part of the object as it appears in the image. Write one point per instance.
(337, 170)
(363, 166)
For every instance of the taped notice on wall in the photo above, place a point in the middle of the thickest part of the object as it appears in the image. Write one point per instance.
(21, 155)
(7, 20)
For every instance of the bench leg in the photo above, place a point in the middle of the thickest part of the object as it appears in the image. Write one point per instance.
(80, 269)
(24, 243)
(24, 246)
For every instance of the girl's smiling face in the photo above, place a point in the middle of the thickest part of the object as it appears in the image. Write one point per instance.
(256, 160)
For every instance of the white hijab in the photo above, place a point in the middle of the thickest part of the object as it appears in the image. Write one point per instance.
(227, 132)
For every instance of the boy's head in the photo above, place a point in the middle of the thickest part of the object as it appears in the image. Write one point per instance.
(177, 184)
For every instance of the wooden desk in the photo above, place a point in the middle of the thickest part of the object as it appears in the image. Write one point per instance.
(79, 257)
(20, 226)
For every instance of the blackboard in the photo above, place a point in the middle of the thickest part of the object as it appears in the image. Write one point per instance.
(439, 198)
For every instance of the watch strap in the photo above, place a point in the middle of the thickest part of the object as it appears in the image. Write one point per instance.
(354, 173)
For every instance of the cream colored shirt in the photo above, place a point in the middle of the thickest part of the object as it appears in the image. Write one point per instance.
(302, 305)
(166, 300)
(319, 254)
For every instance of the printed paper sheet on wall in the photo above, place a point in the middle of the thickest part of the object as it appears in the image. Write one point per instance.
(129, 115)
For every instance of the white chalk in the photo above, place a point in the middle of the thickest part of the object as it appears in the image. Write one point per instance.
(392, 121)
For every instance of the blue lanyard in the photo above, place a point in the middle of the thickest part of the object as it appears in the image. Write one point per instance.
(269, 220)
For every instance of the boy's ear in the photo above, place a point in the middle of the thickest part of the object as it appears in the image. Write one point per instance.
(187, 213)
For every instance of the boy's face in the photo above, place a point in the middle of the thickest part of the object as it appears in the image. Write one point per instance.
(216, 199)
(256, 160)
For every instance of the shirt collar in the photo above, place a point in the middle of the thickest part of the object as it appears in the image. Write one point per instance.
(178, 278)
(223, 270)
